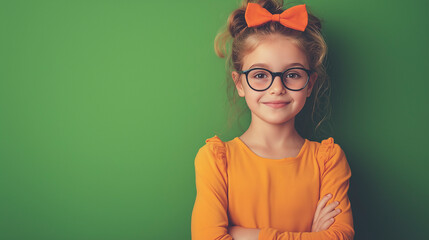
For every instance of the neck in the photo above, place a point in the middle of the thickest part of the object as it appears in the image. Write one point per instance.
(272, 135)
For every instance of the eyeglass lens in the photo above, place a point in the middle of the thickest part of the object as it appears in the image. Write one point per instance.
(294, 78)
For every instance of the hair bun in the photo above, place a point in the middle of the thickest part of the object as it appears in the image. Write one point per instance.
(237, 22)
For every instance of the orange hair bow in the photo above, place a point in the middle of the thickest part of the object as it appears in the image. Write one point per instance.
(295, 17)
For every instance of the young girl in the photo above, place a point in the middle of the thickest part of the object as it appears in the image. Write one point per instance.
(270, 182)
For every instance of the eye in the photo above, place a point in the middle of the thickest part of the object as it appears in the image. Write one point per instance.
(293, 75)
(260, 75)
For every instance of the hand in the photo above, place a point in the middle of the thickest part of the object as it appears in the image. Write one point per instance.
(241, 233)
(324, 216)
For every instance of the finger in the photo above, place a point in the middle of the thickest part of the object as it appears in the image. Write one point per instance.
(327, 224)
(315, 227)
(321, 204)
(330, 215)
(329, 208)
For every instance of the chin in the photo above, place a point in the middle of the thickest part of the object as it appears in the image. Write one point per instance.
(278, 121)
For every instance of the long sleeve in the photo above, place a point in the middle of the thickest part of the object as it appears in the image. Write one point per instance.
(335, 176)
(209, 215)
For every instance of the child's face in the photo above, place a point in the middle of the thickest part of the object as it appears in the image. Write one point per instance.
(276, 54)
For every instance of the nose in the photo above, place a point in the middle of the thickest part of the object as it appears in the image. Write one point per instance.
(277, 86)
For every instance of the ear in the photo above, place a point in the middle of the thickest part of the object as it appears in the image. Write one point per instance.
(311, 82)
(237, 82)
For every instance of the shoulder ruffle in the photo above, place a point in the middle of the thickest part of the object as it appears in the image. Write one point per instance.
(325, 149)
(217, 146)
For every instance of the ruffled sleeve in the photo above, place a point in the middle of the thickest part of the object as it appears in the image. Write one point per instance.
(335, 179)
(335, 174)
(209, 216)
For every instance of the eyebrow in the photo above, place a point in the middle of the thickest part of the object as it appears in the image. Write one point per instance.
(266, 66)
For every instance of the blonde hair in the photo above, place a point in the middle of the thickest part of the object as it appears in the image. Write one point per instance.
(245, 39)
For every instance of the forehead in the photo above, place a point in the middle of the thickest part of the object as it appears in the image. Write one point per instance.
(277, 52)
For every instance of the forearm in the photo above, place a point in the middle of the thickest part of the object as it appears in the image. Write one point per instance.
(241, 233)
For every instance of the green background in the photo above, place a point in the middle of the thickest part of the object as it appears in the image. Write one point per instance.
(104, 105)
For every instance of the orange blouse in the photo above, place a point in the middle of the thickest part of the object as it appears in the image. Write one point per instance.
(279, 196)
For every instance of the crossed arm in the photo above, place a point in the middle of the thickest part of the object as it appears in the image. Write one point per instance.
(209, 216)
(322, 220)
(241, 233)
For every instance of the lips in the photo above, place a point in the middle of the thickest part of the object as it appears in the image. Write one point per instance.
(276, 104)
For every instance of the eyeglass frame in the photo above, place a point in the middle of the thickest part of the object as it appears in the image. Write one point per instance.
(275, 74)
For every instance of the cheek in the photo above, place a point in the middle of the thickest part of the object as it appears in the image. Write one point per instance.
(300, 97)
(252, 97)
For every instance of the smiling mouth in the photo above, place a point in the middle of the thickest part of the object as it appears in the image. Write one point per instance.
(277, 105)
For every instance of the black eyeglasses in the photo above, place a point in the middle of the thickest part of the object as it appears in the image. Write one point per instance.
(294, 79)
